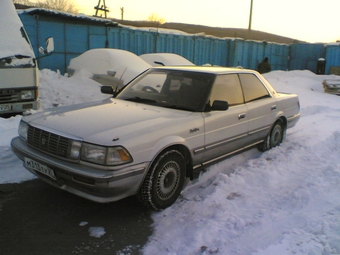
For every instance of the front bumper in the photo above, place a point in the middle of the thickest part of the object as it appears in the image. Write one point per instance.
(88, 182)
(19, 107)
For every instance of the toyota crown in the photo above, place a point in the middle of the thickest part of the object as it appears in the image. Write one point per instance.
(153, 134)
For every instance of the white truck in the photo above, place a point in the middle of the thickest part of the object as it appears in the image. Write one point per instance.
(18, 65)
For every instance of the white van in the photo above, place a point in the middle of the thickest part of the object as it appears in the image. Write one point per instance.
(18, 66)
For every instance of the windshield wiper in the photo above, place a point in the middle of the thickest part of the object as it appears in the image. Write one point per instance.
(141, 100)
(18, 56)
(161, 104)
(178, 107)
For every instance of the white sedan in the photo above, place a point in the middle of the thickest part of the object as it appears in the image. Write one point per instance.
(150, 136)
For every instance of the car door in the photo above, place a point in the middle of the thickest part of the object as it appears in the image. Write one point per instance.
(261, 107)
(225, 131)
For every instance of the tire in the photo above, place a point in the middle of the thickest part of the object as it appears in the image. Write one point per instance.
(164, 181)
(274, 138)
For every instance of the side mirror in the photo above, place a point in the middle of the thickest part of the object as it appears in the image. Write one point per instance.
(106, 90)
(49, 45)
(219, 105)
(49, 48)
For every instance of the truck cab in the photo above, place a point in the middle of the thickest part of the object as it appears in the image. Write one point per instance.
(19, 73)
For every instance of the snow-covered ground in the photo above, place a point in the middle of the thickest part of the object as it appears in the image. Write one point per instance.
(284, 201)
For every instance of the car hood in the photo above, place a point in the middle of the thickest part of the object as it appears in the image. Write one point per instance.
(104, 121)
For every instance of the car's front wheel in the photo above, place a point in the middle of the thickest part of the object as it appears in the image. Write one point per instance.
(164, 181)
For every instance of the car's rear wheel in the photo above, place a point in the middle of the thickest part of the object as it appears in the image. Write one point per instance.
(164, 181)
(274, 138)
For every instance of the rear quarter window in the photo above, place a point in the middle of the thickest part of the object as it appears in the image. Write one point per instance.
(253, 88)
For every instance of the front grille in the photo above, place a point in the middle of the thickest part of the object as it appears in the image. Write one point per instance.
(9, 96)
(47, 142)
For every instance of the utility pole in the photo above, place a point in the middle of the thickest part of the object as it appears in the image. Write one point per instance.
(250, 15)
(102, 8)
(122, 13)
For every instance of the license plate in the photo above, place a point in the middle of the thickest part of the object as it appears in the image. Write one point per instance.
(32, 164)
(5, 107)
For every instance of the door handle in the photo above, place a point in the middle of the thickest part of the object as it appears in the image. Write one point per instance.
(273, 107)
(241, 116)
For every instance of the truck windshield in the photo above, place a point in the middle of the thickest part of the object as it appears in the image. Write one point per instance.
(17, 61)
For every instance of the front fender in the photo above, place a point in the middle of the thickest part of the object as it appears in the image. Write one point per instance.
(164, 143)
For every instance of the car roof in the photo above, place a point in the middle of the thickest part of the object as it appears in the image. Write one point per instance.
(206, 69)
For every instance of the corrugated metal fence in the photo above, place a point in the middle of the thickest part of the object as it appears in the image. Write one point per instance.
(74, 35)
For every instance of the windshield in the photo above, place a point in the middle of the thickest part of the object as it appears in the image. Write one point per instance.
(17, 61)
(14, 40)
(175, 89)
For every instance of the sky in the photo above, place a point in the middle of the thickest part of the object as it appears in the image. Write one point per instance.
(311, 21)
(283, 201)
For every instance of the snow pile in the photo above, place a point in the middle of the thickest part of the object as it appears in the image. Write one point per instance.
(58, 90)
(97, 231)
(11, 170)
(99, 61)
(283, 201)
(83, 223)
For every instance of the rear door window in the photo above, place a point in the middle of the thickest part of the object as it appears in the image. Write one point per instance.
(227, 88)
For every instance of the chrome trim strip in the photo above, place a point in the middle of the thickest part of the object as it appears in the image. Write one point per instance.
(291, 118)
(131, 172)
(50, 130)
(253, 144)
(197, 166)
(200, 150)
(227, 155)
(221, 157)
(259, 130)
(217, 144)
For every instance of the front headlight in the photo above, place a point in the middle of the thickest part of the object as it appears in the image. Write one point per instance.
(23, 129)
(110, 156)
(27, 94)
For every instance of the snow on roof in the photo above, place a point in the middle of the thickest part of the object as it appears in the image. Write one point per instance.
(80, 16)
(126, 64)
(167, 59)
(12, 37)
(106, 21)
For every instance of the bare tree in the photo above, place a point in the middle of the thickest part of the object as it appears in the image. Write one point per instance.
(25, 2)
(154, 18)
(60, 5)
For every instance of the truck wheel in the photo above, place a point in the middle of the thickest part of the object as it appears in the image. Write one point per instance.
(164, 181)
(274, 138)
